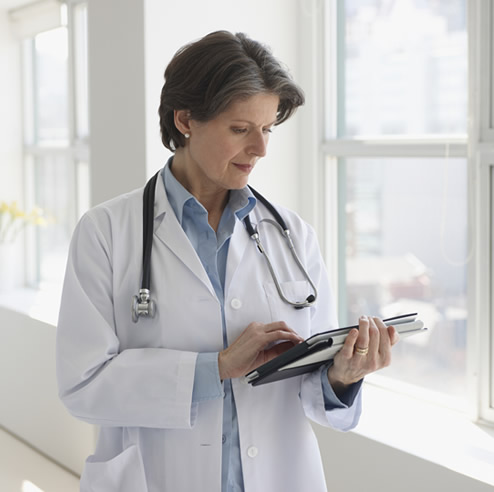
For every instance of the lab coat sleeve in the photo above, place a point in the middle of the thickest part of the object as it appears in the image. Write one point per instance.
(342, 416)
(330, 399)
(98, 381)
(207, 383)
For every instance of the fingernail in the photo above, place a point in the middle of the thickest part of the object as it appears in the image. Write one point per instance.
(363, 318)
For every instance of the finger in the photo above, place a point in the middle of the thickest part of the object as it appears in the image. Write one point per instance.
(393, 335)
(349, 346)
(374, 337)
(278, 335)
(279, 326)
(384, 340)
(362, 341)
(258, 335)
(276, 325)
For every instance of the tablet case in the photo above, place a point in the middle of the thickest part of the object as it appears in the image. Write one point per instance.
(320, 349)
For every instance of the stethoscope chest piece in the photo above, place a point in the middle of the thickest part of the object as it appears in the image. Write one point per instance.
(142, 305)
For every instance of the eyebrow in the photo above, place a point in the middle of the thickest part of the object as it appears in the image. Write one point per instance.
(251, 122)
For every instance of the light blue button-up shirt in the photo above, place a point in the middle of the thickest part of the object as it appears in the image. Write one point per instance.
(212, 249)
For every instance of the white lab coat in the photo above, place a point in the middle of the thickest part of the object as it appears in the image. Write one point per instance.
(135, 380)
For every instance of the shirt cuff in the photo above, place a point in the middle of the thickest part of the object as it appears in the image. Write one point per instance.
(331, 401)
(207, 384)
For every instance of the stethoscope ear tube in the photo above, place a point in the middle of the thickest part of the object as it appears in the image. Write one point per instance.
(142, 304)
(270, 207)
(280, 223)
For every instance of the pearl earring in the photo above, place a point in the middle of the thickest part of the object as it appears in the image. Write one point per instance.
(186, 135)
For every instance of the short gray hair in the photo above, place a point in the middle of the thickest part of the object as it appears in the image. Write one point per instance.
(206, 76)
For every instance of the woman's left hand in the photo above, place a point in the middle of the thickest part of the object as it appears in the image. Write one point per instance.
(365, 350)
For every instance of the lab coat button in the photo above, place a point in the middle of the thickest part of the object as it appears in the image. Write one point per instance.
(236, 303)
(252, 452)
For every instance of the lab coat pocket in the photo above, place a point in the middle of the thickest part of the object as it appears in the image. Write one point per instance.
(123, 473)
(295, 291)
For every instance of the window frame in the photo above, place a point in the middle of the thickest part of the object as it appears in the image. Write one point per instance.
(481, 155)
(481, 341)
(75, 151)
(319, 19)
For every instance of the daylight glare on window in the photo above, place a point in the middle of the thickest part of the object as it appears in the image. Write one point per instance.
(404, 68)
(51, 87)
(406, 251)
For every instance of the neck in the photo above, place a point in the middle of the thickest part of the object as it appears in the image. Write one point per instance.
(212, 198)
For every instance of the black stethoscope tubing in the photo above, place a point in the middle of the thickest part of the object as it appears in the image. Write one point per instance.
(143, 305)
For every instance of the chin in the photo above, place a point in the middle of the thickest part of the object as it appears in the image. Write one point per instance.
(238, 184)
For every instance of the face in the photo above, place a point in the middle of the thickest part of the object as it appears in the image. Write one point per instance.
(221, 153)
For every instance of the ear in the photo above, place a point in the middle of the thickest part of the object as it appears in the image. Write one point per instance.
(181, 118)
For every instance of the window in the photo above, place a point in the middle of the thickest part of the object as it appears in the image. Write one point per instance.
(396, 142)
(405, 250)
(55, 138)
(404, 68)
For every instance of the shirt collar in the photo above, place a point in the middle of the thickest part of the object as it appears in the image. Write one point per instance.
(178, 196)
(240, 202)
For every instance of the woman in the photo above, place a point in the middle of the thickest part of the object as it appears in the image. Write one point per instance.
(168, 393)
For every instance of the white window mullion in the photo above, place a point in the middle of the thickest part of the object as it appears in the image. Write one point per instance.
(481, 160)
(311, 14)
(481, 340)
(454, 147)
(485, 40)
(488, 328)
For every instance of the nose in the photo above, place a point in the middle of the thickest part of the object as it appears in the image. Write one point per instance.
(258, 144)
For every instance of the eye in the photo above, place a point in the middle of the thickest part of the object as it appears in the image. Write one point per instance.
(239, 130)
(268, 130)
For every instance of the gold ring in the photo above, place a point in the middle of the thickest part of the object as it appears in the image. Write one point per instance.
(362, 351)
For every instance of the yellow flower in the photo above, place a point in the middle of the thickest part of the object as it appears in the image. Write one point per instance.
(13, 220)
(40, 221)
(15, 211)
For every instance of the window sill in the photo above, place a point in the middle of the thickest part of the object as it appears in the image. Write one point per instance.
(429, 431)
(42, 305)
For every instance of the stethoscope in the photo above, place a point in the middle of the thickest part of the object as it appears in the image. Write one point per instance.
(143, 305)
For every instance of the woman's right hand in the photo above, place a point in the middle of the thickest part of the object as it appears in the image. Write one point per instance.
(253, 348)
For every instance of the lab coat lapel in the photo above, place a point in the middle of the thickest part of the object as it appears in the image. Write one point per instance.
(169, 231)
(239, 241)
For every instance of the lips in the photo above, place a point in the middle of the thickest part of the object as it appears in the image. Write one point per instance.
(246, 168)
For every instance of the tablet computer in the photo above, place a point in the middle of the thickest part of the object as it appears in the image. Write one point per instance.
(320, 349)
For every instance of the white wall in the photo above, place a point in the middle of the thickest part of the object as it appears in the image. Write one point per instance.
(354, 463)
(117, 99)
(29, 404)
